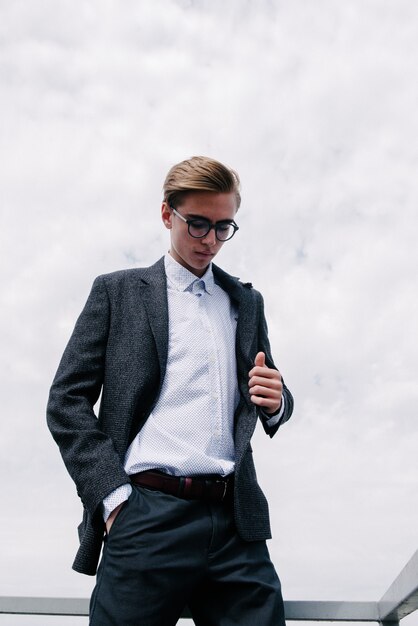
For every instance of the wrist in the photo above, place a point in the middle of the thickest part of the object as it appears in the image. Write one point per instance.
(115, 499)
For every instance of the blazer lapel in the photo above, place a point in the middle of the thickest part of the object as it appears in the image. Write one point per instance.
(247, 329)
(242, 294)
(154, 296)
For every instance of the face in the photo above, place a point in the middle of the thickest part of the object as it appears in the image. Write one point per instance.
(196, 254)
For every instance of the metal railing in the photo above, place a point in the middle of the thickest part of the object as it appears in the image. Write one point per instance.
(400, 600)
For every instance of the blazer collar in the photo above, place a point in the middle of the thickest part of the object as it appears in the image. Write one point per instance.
(155, 274)
(229, 283)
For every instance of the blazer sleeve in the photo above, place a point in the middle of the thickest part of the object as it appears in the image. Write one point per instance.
(264, 346)
(87, 451)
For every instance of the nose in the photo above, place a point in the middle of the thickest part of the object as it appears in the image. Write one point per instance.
(210, 238)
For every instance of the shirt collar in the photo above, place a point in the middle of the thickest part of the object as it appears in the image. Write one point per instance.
(179, 278)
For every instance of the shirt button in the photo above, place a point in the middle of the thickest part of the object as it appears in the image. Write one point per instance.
(215, 396)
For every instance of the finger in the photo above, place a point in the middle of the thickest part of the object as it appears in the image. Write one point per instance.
(260, 359)
(270, 405)
(265, 372)
(273, 381)
(265, 392)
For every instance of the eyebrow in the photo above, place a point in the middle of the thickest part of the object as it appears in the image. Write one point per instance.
(193, 216)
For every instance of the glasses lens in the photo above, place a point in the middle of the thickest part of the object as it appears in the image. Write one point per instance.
(199, 228)
(224, 231)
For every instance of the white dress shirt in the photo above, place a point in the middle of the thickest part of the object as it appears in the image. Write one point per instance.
(190, 430)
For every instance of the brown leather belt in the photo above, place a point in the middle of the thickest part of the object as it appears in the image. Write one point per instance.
(214, 489)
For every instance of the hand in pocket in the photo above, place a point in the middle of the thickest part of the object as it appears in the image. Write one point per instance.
(113, 516)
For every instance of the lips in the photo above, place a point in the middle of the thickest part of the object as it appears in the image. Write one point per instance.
(206, 255)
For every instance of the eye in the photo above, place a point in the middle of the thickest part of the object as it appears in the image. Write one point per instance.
(223, 227)
(199, 224)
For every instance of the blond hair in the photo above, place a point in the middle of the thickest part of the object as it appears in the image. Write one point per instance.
(199, 173)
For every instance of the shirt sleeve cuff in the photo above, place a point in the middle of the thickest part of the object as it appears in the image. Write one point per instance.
(115, 498)
(272, 420)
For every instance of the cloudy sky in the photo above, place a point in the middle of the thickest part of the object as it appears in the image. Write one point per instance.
(315, 104)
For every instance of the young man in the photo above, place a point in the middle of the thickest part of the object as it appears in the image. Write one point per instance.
(180, 353)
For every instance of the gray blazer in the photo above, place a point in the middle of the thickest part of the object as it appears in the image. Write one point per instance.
(119, 348)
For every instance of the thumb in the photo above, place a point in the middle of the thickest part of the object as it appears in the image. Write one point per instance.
(260, 359)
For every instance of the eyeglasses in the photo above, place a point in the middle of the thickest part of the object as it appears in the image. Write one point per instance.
(200, 227)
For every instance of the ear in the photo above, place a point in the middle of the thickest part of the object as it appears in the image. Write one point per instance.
(166, 215)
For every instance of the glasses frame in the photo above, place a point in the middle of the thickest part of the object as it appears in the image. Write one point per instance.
(210, 226)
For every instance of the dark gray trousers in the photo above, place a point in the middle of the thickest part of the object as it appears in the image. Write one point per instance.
(163, 553)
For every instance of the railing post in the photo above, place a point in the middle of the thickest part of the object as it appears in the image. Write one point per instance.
(401, 598)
